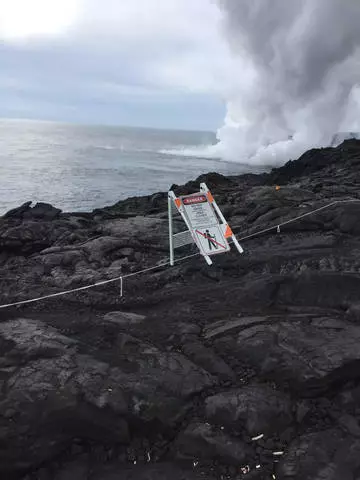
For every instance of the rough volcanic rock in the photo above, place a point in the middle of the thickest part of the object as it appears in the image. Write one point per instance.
(317, 160)
(100, 248)
(329, 455)
(201, 441)
(137, 231)
(117, 471)
(208, 359)
(258, 409)
(51, 393)
(260, 343)
(124, 319)
(134, 206)
(43, 211)
(310, 354)
(19, 211)
(26, 239)
(325, 289)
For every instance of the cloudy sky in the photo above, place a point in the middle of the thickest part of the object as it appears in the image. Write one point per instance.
(161, 63)
(275, 77)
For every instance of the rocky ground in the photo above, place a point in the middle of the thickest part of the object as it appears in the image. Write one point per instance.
(249, 369)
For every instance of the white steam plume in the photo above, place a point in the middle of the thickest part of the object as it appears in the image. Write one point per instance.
(297, 77)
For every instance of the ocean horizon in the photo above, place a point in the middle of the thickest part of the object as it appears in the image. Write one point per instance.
(82, 167)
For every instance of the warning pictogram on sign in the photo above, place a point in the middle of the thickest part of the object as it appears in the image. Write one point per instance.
(206, 224)
(211, 240)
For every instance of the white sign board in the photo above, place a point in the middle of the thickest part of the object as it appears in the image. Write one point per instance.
(199, 211)
(207, 226)
(204, 224)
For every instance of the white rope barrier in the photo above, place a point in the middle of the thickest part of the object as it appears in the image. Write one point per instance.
(294, 219)
(59, 294)
(167, 263)
(97, 284)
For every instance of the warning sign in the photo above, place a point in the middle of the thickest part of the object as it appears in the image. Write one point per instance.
(211, 240)
(204, 224)
(199, 211)
(207, 226)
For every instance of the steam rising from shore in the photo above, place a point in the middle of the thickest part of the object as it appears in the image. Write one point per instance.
(297, 77)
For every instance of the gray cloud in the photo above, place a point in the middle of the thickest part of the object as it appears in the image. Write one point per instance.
(298, 72)
(128, 61)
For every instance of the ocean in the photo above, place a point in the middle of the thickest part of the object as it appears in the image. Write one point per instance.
(79, 168)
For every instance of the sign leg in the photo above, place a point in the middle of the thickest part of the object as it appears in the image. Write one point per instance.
(171, 237)
(208, 260)
(237, 244)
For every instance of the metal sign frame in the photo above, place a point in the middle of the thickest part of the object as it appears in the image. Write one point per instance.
(219, 222)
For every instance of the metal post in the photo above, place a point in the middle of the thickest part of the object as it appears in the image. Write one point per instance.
(237, 244)
(208, 260)
(121, 287)
(171, 238)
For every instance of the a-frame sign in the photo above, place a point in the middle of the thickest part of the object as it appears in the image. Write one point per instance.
(207, 226)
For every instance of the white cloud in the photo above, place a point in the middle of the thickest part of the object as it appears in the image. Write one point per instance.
(103, 50)
(24, 19)
(178, 43)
